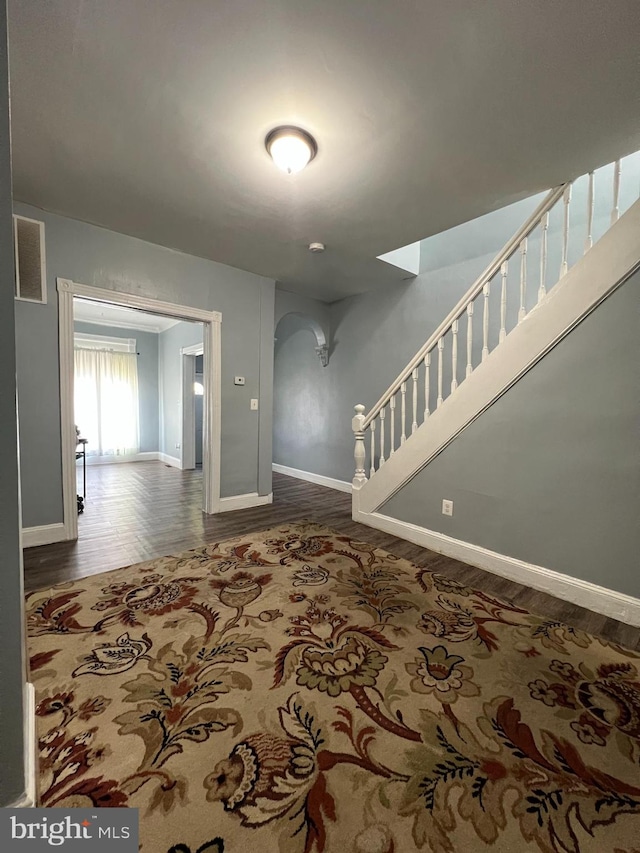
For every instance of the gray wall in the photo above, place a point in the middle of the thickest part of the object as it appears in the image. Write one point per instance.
(95, 256)
(148, 379)
(169, 345)
(302, 406)
(12, 781)
(301, 386)
(373, 336)
(550, 474)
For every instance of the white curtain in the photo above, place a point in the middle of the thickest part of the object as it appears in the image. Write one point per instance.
(106, 401)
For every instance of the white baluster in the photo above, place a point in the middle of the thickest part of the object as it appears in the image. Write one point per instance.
(469, 338)
(565, 231)
(414, 423)
(588, 243)
(427, 386)
(522, 313)
(615, 213)
(504, 271)
(454, 356)
(382, 417)
(357, 424)
(542, 289)
(372, 429)
(403, 391)
(392, 415)
(485, 322)
(440, 350)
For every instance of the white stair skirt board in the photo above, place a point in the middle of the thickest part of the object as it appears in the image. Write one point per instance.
(45, 534)
(610, 262)
(30, 796)
(320, 479)
(244, 501)
(169, 460)
(610, 603)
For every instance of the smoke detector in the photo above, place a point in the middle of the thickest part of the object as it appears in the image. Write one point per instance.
(316, 247)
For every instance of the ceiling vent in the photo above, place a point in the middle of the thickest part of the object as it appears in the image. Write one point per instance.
(28, 241)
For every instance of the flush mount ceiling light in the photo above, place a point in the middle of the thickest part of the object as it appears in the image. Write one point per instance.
(291, 148)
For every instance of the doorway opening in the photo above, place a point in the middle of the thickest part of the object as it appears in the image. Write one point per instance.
(109, 397)
(192, 396)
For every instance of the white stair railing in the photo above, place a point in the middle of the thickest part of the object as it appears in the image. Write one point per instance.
(458, 326)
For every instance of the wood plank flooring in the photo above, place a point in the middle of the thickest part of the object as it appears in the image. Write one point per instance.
(138, 511)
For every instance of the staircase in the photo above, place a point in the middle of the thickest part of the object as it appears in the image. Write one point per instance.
(538, 287)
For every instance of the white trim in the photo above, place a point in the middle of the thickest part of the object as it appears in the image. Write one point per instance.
(613, 258)
(45, 534)
(610, 603)
(143, 303)
(212, 341)
(310, 477)
(244, 501)
(68, 435)
(194, 349)
(29, 799)
(169, 460)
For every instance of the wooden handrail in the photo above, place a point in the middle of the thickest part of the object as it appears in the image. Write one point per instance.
(505, 253)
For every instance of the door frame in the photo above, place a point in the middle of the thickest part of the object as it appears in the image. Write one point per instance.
(212, 422)
(188, 398)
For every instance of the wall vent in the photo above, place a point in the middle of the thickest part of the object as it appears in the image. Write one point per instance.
(28, 241)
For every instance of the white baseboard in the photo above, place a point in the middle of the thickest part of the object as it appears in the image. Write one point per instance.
(610, 603)
(320, 479)
(30, 797)
(170, 460)
(146, 456)
(45, 534)
(244, 501)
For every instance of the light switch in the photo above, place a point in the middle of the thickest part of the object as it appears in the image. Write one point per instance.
(238, 380)
(254, 405)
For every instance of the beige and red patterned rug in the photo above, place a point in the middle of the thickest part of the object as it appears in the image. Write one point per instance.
(296, 690)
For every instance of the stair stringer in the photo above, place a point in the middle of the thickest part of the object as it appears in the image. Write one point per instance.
(606, 266)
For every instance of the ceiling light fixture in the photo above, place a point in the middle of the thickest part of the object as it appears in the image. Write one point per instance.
(291, 148)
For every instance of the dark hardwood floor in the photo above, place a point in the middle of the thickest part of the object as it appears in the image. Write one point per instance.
(142, 510)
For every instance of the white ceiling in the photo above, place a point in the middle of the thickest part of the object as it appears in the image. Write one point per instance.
(102, 314)
(148, 117)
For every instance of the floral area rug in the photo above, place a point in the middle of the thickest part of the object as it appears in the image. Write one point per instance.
(296, 690)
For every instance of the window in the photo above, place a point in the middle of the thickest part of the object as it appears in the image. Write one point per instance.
(106, 394)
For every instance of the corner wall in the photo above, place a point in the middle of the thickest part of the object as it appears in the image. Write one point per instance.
(12, 673)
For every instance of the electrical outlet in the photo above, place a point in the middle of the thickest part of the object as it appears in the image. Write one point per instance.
(238, 380)
(177, 447)
(447, 507)
(254, 405)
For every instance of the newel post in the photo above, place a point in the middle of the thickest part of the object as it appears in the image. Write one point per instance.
(357, 424)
